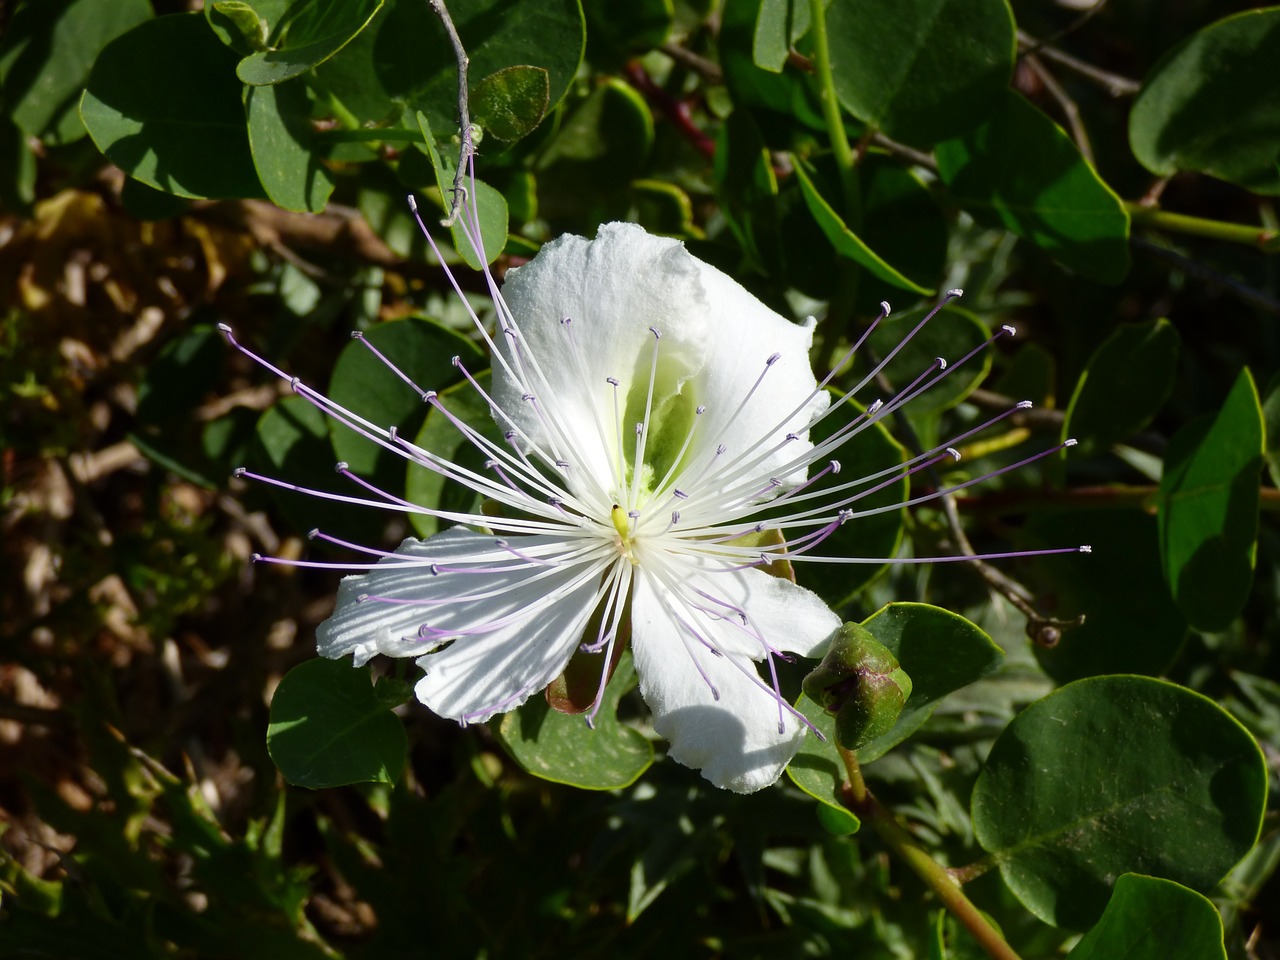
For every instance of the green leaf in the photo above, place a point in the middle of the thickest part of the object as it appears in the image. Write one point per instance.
(1211, 104)
(1124, 385)
(329, 727)
(921, 70)
(1020, 170)
(1209, 508)
(309, 33)
(1131, 623)
(748, 188)
(423, 351)
(1271, 423)
(561, 747)
(1152, 919)
(291, 443)
(484, 205)
(285, 149)
(46, 54)
(770, 47)
(511, 102)
(846, 242)
(163, 103)
(244, 27)
(941, 651)
(413, 64)
(18, 186)
(585, 170)
(1114, 775)
(902, 223)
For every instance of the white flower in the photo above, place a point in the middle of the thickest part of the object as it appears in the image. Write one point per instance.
(651, 408)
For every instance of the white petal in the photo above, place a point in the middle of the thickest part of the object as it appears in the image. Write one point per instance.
(734, 740)
(757, 608)
(745, 333)
(613, 289)
(516, 623)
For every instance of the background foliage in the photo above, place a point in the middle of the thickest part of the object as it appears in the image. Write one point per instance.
(1101, 176)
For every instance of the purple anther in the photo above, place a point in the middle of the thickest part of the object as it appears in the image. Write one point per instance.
(774, 358)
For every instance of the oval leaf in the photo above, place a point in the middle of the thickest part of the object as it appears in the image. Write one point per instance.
(561, 747)
(1209, 508)
(1212, 104)
(164, 105)
(1024, 172)
(921, 70)
(329, 727)
(284, 146)
(1152, 919)
(1113, 775)
(46, 54)
(511, 102)
(1124, 385)
(312, 32)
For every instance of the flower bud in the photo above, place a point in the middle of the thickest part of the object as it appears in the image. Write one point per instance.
(861, 683)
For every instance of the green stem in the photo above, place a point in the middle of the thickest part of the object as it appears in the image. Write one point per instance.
(1268, 241)
(840, 307)
(861, 801)
(840, 148)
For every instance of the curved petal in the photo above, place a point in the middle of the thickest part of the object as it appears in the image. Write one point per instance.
(508, 622)
(745, 334)
(719, 715)
(757, 609)
(613, 289)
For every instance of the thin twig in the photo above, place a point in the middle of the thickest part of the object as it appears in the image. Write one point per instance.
(467, 146)
(1113, 83)
(709, 70)
(1068, 106)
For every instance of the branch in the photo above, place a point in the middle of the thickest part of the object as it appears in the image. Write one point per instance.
(466, 148)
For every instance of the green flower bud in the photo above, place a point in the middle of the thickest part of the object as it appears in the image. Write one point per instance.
(861, 683)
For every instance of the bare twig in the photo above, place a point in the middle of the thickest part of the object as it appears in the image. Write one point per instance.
(1068, 106)
(1113, 83)
(910, 154)
(466, 147)
(709, 70)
